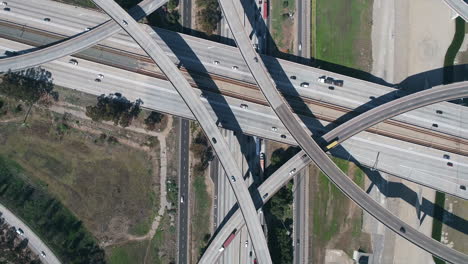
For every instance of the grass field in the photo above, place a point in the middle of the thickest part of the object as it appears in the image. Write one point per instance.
(108, 186)
(132, 252)
(336, 221)
(200, 214)
(163, 248)
(342, 33)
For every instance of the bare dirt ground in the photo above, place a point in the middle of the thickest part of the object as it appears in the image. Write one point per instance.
(409, 42)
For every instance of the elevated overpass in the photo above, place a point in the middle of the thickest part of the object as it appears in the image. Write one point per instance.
(460, 7)
(421, 164)
(212, 132)
(341, 133)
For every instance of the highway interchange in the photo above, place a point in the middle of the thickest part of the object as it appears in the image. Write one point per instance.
(297, 131)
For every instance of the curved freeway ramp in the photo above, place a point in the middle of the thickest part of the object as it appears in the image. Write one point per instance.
(77, 43)
(201, 114)
(320, 158)
(460, 7)
(343, 132)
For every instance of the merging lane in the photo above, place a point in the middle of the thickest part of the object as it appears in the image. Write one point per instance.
(343, 132)
(200, 112)
(320, 158)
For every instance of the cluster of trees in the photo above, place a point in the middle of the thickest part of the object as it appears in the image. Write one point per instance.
(48, 217)
(30, 86)
(209, 15)
(202, 150)
(116, 108)
(278, 212)
(153, 119)
(13, 248)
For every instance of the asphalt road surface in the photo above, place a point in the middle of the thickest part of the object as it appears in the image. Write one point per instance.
(203, 117)
(183, 228)
(34, 242)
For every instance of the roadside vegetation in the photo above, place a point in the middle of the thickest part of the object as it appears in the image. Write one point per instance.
(336, 223)
(14, 248)
(278, 211)
(115, 108)
(282, 26)
(47, 216)
(341, 35)
(201, 200)
(208, 15)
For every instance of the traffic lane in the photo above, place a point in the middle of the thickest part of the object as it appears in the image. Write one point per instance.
(203, 117)
(396, 107)
(268, 188)
(34, 242)
(183, 192)
(77, 43)
(355, 193)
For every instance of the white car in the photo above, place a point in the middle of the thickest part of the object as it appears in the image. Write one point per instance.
(20, 231)
(43, 254)
(233, 179)
(274, 129)
(100, 76)
(182, 199)
(305, 84)
(300, 46)
(292, 171)
(235, 67)
(216, 62)
(4, 3)
(73, 61)
(244, 106)
(246, 243)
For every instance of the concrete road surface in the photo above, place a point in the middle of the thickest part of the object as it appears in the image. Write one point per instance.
(35, 243)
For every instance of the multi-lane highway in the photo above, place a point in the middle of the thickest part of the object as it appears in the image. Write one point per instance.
(354, 94)
(75, 44)
(184, 201)
(366, 119)
(424, 165)
(293, 127)
(326, 165)
(200, 112)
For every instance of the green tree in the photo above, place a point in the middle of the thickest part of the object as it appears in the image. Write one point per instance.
(153, 119)
(115, 108)
(27, 85)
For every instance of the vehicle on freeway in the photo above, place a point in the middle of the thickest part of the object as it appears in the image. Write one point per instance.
(331, 88)
(338, 83)
(87, 29)
(262, 161)
(265, 9)
(283, 136)
(202, 96)
(439, 112)
(446, 156)
(402, 229)
(292, 171)
(322, 79)
(244, 106)
(235, 67)
(450, 164)
(293, 77)
(228, 240)
(332, 145)
(274, 129)
(125, 23)
(215, 62)
(181, 199)
(73, 61)
(47, 19)
(100, 76)
(233, 179)
(6, 9)
(265, 196)
(97, 80)
(256, 59)
(43, 254)
(4, 4)
(246, 243)
(19, 231)
(305, 84)
(300, 47)
(463, 187)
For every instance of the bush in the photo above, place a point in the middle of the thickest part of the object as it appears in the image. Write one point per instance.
(153, 119)
(28, 85)
(209, 15)
(114, 108)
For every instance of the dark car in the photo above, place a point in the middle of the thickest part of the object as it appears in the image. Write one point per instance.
(292, 77)
(402, 229)
(338, 83)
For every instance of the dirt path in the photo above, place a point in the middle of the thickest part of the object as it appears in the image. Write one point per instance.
(161, 136)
